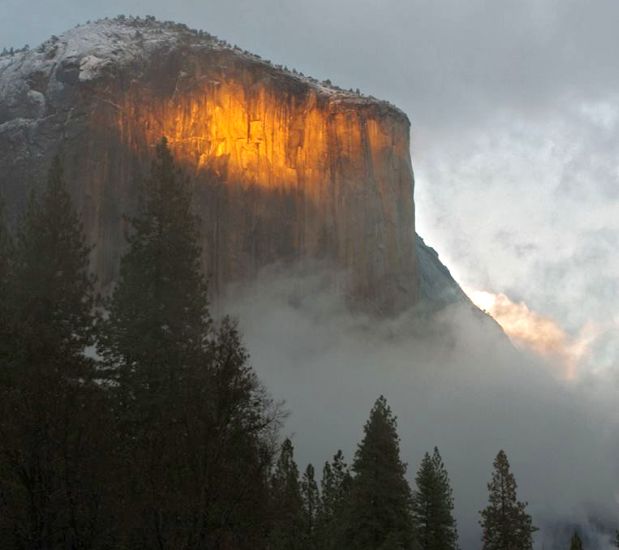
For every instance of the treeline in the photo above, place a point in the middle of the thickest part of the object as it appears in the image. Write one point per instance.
(137, 422)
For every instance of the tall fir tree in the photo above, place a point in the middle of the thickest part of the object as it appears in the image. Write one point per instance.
(335, 491)
(52, 422)
(288, 513)
(235, 423)
(192, 417)
(505, 522)
(6, 247)
(433, 505)
(6, 267)
(575, 542)
(158, 315)
(54, 290)
(380, 514)
(311, 506)
(153, 338)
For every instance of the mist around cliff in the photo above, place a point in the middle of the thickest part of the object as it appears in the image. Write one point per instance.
(455, 382)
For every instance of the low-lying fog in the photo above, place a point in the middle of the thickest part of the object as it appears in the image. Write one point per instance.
(455, 382)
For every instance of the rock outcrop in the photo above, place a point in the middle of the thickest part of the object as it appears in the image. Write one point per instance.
(437, 287)
(285, 168)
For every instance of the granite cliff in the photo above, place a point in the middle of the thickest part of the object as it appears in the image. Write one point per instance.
(286, 168)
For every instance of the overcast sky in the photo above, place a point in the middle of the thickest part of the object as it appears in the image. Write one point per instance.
(515, 140)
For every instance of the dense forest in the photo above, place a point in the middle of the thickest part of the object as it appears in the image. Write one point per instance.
(136, 421)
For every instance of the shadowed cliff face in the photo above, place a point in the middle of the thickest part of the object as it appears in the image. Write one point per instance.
(285, 169)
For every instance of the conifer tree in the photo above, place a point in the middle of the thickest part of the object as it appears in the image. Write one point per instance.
(192, 417)
(6, 246)
(505, 522)
(50, 425)
(335, 488)
(288, 523)
(433, 505)
(158, 315)
(575, 542)
(380, 514)
(311, 506)
(155, 338)
(54, 289)
(238, 424)
(6, 261)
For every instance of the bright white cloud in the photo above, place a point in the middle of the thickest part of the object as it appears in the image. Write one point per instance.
(529, 330)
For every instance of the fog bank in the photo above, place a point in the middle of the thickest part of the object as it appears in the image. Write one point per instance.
(454, 381)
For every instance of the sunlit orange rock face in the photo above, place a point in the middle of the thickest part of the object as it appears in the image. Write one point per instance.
(285, 170)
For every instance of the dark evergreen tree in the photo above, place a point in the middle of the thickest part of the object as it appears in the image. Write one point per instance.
(52, 417)
(575, 542)
(380, 514)
(192, 417)
(155, 338)
(53, 293)
(6, 247)
(235, 432)
(158, 315)
(505, 522)
(335, 491)
(288, 518)
(311, 506)
(433, 506)
(6, 261)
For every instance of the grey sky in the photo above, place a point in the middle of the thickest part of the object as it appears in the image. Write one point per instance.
(439, 60)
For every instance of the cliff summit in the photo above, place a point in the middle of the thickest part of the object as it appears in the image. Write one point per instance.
(286, 168)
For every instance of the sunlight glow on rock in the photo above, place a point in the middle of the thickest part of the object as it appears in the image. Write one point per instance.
(267, 135)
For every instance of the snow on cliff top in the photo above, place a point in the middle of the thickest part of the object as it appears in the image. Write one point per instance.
(116, 42)
(96, 45)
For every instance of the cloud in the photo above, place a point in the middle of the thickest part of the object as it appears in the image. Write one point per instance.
(538, 333)
(454, 382)
(528, 208)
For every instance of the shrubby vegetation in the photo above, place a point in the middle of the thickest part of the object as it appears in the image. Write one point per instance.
(137, 421)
